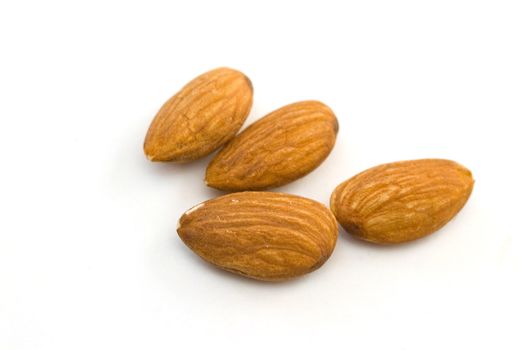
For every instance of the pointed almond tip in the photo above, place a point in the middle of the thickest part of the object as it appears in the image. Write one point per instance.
(151, 157)
(207, 180)
(148, 151)
(211, 183)
(150, 154)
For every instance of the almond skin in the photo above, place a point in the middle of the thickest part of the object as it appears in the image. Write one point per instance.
(200, 118)
(262, 235)
(401, 201)
(277, 149)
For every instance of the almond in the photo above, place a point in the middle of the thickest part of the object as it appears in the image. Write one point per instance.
(200, 118)
(277, 149)
(402, 201)
(263, 235)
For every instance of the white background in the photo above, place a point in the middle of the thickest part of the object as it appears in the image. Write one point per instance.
(89, 256)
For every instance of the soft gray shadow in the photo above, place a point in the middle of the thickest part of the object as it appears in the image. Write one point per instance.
(171, 168)
(193, 171)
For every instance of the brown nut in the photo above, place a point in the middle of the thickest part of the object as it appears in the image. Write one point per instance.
(277, 149)
(262, 235)
(401, 201)
(200, 118)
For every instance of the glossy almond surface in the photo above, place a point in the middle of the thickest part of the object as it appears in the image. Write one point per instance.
(200, 118)
(263, 235)
(277, 149)
(402, 201)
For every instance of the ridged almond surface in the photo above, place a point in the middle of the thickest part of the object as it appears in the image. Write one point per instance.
(277, 149)
(200, 118)
(402, 201)
(263, 235)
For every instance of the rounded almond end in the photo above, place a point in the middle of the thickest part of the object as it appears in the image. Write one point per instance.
(332, 203)
(336, 126)
(249, 83)
(335, 197)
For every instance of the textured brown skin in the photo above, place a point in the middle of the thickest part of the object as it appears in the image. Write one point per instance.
(262, 235)
(277, 149)
(401, 201)
(200, 118)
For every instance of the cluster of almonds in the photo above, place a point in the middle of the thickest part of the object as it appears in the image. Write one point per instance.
(276, 236)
